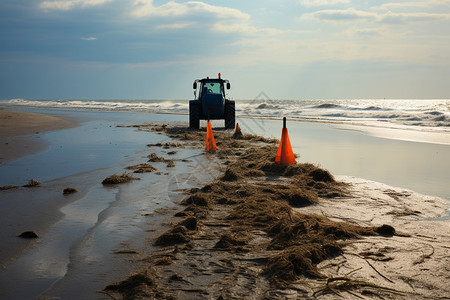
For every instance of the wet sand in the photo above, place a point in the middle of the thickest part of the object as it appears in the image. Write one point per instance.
(15, 125)
(95, 236)
(220, 255)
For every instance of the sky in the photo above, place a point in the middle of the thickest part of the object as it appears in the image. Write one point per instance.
(154, 49)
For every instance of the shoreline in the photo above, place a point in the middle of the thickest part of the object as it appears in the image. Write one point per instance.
(347, 141)
(421, 166)
(419, 134)
(18, 131)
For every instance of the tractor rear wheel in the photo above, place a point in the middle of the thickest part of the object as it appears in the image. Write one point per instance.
(230, 115)
(194, 115)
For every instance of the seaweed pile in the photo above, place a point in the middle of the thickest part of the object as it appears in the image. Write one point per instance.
(118, 179)
(299, 241)
(252, 210)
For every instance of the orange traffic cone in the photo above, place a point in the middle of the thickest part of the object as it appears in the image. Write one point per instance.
(285, 155)
(210, 142)
(237, 133)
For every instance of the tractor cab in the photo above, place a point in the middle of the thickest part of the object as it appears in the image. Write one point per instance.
(211, 103)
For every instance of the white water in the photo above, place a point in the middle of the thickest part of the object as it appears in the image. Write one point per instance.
(420, 115)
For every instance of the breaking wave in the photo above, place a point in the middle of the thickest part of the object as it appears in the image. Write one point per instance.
(413, 113)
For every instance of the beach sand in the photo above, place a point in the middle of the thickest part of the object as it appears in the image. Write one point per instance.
(15, 125)
(262, 231)
(228, 225)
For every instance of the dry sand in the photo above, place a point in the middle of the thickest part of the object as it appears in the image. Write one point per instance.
(264, 231)
(15, 125)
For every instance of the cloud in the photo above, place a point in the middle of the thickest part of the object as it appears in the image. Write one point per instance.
(352, 14)
(368, 32)
(89, 38)
(391, 17)
(145, 8)
(235, 28)
(245, 29)
(417, 4)
(175, 25)
(69, 4)
(309, 3)
(341, 15)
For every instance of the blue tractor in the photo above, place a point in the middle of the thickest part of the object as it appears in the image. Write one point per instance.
(211, 103)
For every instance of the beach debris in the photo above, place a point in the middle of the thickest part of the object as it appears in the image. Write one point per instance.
(142, 168)
(190, 223)
(183, 214)
(376, 255)
(167, 145)
(250, 208)
(231, 174)
(28, 235)
(285, 155)
(289, 264)
(173, 145)
(343, 284)
(8, 187)
(268, 206)
(302, 240)
(164, 261)
(130, 251)
(210, 142)
(237, 133)
(321, 175)
(300, 198)
(199, 199)
(69, 190)
(386, 230)
(155, 145)
(179, 234)
(32, 183)
(228, 241)
(141, 285)
(162, 127)
(175, 235)
(116, 179)
(153, 157)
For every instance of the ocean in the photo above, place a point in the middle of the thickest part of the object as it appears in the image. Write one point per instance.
(421, 115)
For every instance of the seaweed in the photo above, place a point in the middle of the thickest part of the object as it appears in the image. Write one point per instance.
(200, 199)
(173, 236)
(8, 187)
(179, 234)
(142, 168)
(141, 285)
(32, 183)
(28, 235)
(69, 190)
(118, 179)
(259, 195)
(228, 241)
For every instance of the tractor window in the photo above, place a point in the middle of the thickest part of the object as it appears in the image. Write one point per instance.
(212, 88)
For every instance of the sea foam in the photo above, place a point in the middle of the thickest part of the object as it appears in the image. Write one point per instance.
(418, 114)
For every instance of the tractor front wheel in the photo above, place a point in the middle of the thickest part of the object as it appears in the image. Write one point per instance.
(230, 115)
(194, 115)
